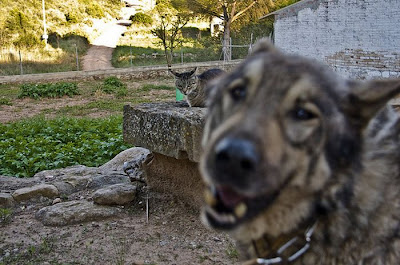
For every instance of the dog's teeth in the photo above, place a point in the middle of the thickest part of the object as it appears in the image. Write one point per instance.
(210, 198)
(240, 210)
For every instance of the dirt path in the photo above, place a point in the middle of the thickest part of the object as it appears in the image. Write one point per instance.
(100, 53)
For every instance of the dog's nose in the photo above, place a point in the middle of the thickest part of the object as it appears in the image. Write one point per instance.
(236, 157)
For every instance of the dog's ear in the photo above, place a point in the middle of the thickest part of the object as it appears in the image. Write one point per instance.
(264, 45)
(365, 99)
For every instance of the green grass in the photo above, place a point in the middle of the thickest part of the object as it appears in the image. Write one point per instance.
(30, 146)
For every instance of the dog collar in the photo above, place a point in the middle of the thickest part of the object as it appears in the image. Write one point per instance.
(283, 250)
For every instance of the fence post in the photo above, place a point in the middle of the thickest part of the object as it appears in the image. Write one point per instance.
(77, 57)
(130, 50)
(181, 56)
(20, 63)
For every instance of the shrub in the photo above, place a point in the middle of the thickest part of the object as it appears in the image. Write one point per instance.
(95, 10)
(141, 19)
(30, 146)
(112, 85)
(50, 90)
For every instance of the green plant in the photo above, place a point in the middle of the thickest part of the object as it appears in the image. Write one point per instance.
(50, 90)
(141, 19)
(5, 101)
(112, 85)
(5, 215)
(30, 146)
(232, 252)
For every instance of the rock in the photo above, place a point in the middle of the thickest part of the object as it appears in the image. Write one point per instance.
(171, 129)
(6, 200)
(12, 183)
(65, 188)
(118, 194)
(130, 154)
(74, 212)
(106, 179)
(28, 193)
(56, 200)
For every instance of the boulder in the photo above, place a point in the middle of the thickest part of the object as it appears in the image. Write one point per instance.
(118, 194)
(169, 128)
(131, 154)
(45, 190)
(74, 212)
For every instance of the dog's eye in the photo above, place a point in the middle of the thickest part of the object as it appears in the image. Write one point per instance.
(302, 114)
(238, 92)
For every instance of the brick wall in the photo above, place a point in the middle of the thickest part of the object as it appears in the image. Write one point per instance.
(358, 38)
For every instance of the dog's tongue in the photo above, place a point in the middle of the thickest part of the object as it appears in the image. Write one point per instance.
(229, 197)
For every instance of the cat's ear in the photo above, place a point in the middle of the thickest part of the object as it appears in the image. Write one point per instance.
(173, 72)
(193, 71)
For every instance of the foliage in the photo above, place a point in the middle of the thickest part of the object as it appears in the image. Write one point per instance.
(21, 22)
(141, 19)
(49, 90)
(168, 29)
(112, 85)
(30, 146)
(95, 10)
(234, 10)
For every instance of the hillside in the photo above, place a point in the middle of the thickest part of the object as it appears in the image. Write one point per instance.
(22, 21)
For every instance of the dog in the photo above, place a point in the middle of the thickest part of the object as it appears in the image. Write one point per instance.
(300, 165)
(193, 86)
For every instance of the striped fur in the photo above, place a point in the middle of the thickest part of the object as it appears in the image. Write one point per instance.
(287, 141)
(192, 85)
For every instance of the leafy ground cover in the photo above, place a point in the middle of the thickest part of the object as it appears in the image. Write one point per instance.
(33, 145)
(50, 90)
(47, 133)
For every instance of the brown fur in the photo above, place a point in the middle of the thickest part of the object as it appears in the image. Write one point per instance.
(297, 144)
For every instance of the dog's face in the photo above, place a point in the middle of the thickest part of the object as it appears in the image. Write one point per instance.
(279, 131)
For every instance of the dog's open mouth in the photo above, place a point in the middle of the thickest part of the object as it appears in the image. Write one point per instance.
(227, 208)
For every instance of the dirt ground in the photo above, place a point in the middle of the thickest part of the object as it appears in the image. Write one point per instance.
(173, 234)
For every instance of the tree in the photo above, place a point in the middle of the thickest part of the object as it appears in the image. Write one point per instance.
(171, 21)
(233, 10)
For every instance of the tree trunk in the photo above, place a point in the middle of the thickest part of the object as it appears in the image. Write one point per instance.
(226, 41)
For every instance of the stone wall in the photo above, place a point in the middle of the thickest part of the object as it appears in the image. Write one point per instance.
(138, 73)
(358, 38)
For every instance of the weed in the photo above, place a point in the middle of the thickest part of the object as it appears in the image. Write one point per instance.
(5, 101)
(5, 215)
(232, 252)
(148, 87)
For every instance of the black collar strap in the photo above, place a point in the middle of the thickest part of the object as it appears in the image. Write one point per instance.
(283, 250)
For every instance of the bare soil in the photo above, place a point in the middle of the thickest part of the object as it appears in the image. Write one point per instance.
(173, 234)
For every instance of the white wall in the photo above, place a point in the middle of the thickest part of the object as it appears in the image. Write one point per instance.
(358, 38)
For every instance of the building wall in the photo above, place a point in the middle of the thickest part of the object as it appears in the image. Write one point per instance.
(358, 38)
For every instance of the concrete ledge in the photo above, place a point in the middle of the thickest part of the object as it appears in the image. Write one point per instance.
(172, 132)
(172, 129)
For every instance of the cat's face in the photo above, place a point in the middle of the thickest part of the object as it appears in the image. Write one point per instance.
(185, 81)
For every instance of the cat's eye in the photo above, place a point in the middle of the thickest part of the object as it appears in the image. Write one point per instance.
(238, 92)
(302, 114)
